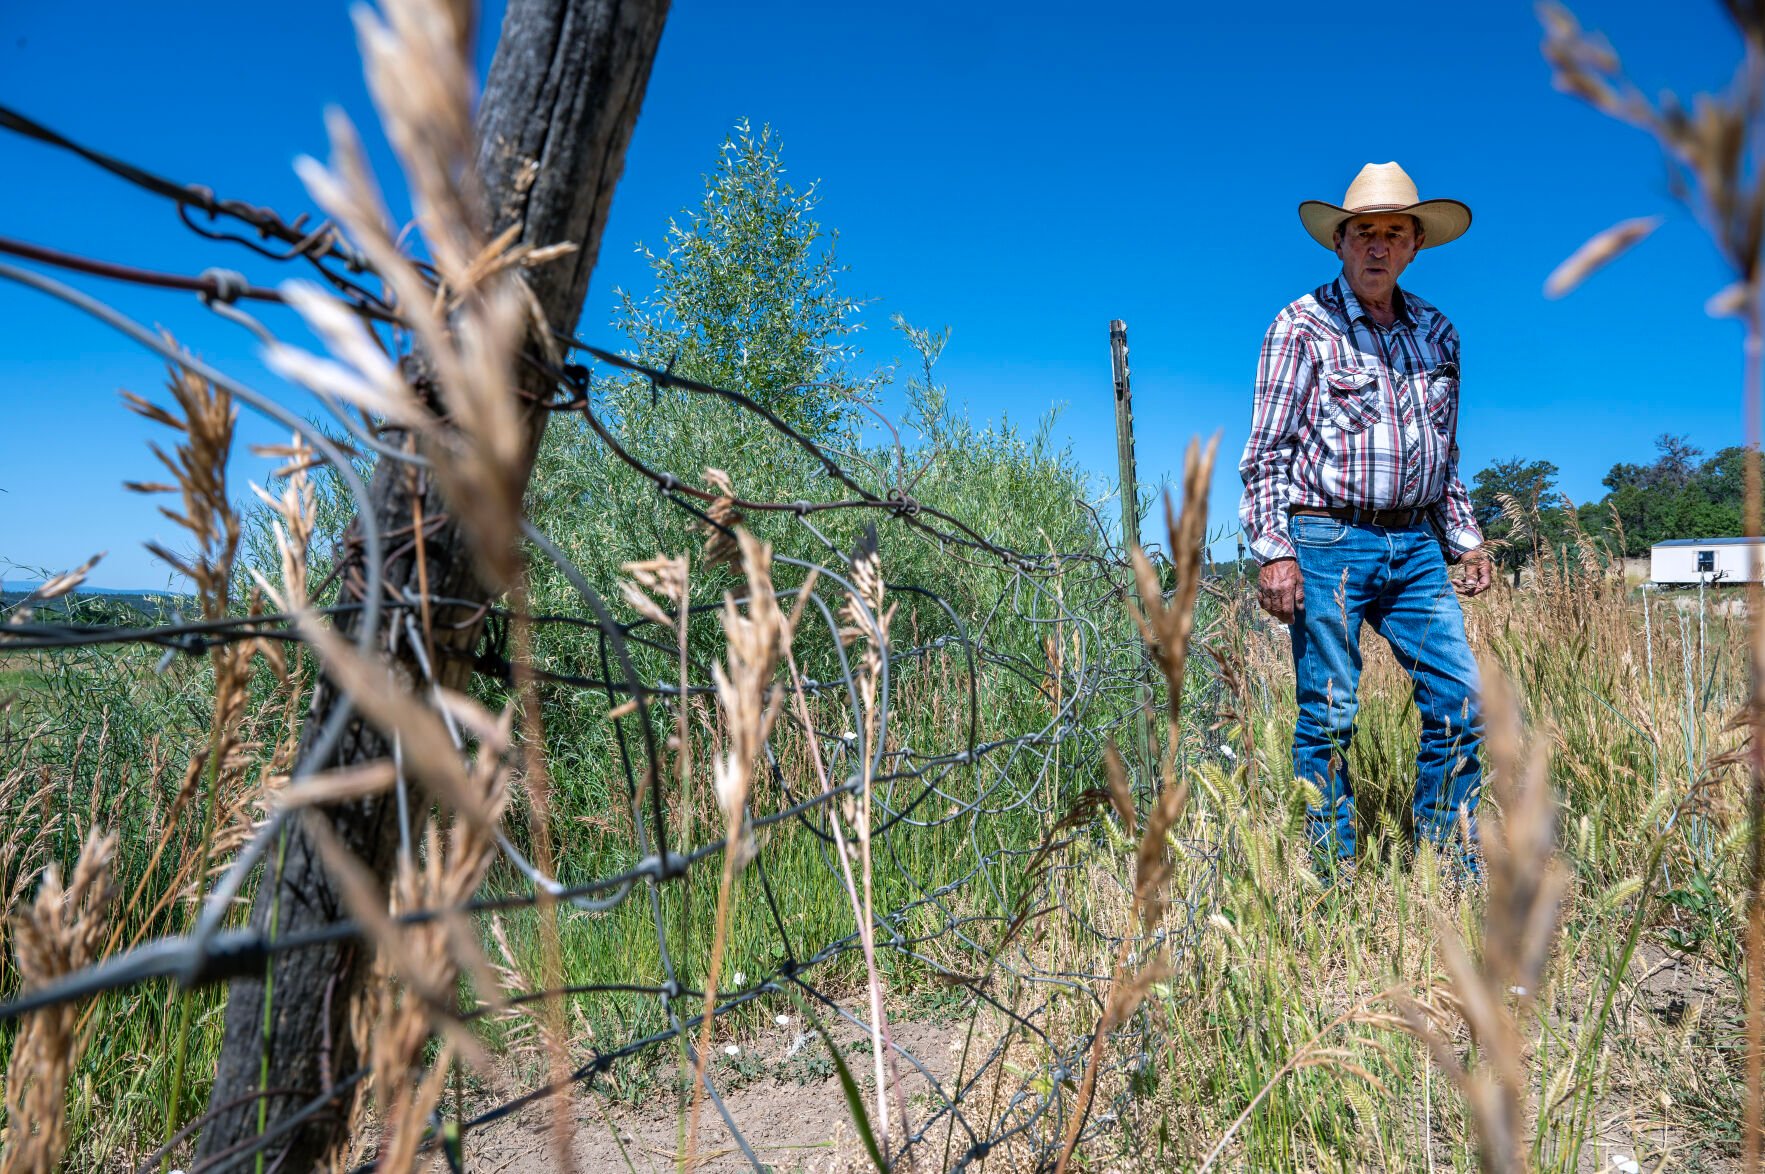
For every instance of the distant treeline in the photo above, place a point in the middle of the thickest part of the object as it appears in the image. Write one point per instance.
(1680, 494)
(120, 608)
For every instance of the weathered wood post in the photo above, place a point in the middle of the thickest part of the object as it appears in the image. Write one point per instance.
(558, 109)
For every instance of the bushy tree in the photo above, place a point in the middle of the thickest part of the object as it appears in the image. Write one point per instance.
(747, 293)
(1532, 486)
(746, 298)
(1674, 496)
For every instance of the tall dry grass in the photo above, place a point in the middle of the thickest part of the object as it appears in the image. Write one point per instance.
(1585, 1005)
(57, 934)
(747, 704)
(1714, 149)
(1166, 627)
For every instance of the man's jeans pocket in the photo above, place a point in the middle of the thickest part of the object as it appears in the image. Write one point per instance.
(1311, 530)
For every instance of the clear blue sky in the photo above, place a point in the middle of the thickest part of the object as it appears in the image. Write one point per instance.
(1022, 174)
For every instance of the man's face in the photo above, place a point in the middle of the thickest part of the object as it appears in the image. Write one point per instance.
(1375, 250)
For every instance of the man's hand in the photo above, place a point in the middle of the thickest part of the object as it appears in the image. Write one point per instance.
(1478, 569)
(1280, 588)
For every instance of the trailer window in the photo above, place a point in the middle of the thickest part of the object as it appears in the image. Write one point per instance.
(1706, 561)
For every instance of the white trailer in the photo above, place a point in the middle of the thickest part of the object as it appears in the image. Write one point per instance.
(1707, 560)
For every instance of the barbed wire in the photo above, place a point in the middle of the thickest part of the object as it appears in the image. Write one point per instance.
(1090, 694)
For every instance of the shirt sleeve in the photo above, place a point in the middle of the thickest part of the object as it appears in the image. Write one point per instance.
(1452, 515)
(1284, 374)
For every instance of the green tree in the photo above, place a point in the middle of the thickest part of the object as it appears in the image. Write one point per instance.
(747, 294)
(1532, 487)
(1678, 462)
(746, 297)
(1675, 496)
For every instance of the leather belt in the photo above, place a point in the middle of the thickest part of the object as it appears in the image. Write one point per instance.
(1389, 519)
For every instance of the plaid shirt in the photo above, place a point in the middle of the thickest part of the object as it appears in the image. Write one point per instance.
(1349, 413)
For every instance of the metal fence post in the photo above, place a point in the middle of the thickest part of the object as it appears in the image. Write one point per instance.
(1130, 495)
(1124, 433)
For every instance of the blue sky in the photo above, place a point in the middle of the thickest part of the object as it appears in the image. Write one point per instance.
(1022, 174)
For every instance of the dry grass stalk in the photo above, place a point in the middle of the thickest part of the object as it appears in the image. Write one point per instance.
(294, 517)
(536, 778)
(338, 786)
(417, 966)
(58, 933)
(27, 797)
(1715, 150)
(1525, 892)
(52, 588)
(723, 517)
(530, 1032)
(411, 995)
(654, 583)
(205, 418)
(1166, 628)
(1601, 250)
(295, 512)
(469, 325)
(1710, 144)
(846, 851)
(865, 619)
(199, 471)
(1121, 797)
(748, 705)
(868, 615)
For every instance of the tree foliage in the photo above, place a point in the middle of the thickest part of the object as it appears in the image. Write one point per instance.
(1507, 486)
(1679, 494)
(746, 298)
(1675, 496)
(747, 293)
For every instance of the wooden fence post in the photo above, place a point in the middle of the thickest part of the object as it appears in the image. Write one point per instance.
(558, 109)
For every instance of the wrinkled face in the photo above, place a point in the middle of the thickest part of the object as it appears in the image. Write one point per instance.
(1376, 249)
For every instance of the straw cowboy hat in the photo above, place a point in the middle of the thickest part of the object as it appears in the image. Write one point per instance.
(1385, 187)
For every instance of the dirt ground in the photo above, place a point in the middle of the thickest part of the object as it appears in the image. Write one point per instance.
(792, 1126)
(1638, 1129)
(794, 1115)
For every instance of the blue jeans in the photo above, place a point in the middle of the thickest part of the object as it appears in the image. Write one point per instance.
(1395, 580)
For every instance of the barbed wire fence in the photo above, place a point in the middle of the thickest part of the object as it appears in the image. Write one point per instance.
(980, 777)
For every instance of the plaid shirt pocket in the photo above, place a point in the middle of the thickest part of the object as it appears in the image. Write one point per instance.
(1442, 395)
(1349, 400)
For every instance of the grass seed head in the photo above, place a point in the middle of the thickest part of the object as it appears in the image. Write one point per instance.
(58, 933)
(721, 520)
(745, 698)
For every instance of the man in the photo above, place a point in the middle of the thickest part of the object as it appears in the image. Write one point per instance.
(1351, 491)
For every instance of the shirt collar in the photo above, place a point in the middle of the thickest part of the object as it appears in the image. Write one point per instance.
(1351, 305)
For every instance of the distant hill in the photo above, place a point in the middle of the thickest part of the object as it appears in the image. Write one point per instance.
(102, 605)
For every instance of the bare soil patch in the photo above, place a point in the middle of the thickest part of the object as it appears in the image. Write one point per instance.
(793, 1115)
